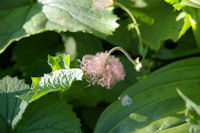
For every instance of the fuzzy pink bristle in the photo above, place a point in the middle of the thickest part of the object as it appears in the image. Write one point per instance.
(102, 69)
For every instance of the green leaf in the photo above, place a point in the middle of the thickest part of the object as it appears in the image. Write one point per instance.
(59, 80)
(195, 23)
(34, 17)
(180, 4)
(152, 105)
(49, 114)
(192, 10)
(59, 62)
(124, 38)
(192, 113)
(4, 125)
(6, 71)
(11, 107)
(184, 47)
(165, 23)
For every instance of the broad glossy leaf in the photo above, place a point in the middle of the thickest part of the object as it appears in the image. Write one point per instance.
(25, 18)
(50, 114)
(155, 106)
(166, 23)
(192, 113)
(11, 107)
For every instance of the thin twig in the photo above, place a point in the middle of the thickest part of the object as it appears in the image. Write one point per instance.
(135, 23)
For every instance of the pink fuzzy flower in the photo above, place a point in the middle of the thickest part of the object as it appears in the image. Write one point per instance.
(102, 69)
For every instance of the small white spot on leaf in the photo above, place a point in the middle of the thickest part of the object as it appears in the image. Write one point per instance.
(126, 100)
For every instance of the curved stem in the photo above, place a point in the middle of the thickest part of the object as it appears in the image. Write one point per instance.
(135, 23)
(124, 52)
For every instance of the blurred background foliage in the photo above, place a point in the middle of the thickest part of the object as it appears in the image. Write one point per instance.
(165, 31)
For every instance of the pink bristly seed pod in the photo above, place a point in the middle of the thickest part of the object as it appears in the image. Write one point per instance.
(103, 68)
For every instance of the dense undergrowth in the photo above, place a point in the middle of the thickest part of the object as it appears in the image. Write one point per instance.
(44, 86)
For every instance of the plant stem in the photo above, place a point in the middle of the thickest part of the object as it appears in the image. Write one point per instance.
(136, 26)
(124, 52)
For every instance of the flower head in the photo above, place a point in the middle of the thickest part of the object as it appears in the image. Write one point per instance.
(102, 69)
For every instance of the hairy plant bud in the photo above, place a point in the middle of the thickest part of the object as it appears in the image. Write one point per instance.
(102, 69)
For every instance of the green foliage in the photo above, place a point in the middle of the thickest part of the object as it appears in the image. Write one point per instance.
(124, 38)
(10, 106)
(163, 24)
(155, 106)
(49, 114)
(183, 3)
(187, 42)
(60, 79)
(192, 113)
(192, 10)
(157, 32)
(34, 17)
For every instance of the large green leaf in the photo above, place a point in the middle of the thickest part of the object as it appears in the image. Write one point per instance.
(60, 79)
(192, 113)
(49, 114)
(10, 106)
(152, 105)
(22, 19)
(165, 24)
